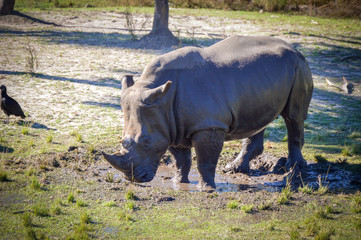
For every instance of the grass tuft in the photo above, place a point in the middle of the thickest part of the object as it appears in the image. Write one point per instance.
(130, 195)
(71, 198)
(4, 176)
(306, 189)
(85, 218)
(34, 183)
(41, 210)
(233, 204)
(109, 177)
(27, 220)
(109, 204)
(81, 203)
(325, 234)
(294, 233)
(247, 208)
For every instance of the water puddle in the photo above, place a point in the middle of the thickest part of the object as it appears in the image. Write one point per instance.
(266, 174)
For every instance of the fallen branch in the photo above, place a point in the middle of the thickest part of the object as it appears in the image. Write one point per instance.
(346, 86)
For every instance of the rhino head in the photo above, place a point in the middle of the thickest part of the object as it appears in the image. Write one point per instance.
(145, 133)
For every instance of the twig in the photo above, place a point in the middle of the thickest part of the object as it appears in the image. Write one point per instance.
(346, 86)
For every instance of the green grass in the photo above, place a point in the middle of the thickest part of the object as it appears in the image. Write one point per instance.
(4, 176)
(34, 183)
(41, 210)
(247, 208)
(233, 204)
(71, 198)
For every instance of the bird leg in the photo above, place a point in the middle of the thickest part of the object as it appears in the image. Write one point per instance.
(7, 119)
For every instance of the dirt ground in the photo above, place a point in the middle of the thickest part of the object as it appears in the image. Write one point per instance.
(73, 97)
(83, 55)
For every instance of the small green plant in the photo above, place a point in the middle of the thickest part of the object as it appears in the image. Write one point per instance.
(77, 136)
(265, 206)
(25, 131)
(247, 208)
(294, 233)
(81, 203)
(125, 216)
(322, 188)
(49, 138)
(41, 210)
(109, 177)
(31, 171)
(85, 218)
(285, 138)
(285, 195)
(34, 183)
(233, 204)
(130, 195)
(355, 134)
(109, 204)
(346, 151)
(356, 148)
(130, 205)
(30, 233)
(325, 234)
(312, 226)
(56, 210)
(71, 198)
(27, 220)
(356, 204)
(306, 189)
(3, 176)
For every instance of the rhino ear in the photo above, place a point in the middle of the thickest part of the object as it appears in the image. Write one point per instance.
(150, 96)
(127, 81)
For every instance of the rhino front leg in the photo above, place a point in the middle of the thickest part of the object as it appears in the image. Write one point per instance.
(183, 163)
(208, 146)
(251, 148)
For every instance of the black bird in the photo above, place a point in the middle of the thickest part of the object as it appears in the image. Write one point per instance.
(9, 105)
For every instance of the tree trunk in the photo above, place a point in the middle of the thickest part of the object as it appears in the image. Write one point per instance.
(6, 6)
(160, 36)
(161, 15)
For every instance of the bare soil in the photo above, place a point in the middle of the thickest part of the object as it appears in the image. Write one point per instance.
(82, 55)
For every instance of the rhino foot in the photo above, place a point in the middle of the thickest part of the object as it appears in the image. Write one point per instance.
(236, 168)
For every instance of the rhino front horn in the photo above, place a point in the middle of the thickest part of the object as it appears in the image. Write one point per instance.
(115, 160)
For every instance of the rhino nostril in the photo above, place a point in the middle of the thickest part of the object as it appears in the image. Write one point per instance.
(127, 142)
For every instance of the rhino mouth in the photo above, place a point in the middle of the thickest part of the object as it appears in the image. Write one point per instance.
(140, 176)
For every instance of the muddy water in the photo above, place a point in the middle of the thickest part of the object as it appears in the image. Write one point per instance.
(266, 174)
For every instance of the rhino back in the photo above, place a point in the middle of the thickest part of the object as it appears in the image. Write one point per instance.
(239, 84)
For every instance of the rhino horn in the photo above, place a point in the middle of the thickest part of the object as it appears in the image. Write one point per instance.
(116, 161)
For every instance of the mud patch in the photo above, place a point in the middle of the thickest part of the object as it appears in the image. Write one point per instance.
(267, 174)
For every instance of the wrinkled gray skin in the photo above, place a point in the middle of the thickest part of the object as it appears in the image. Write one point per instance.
(201, 97)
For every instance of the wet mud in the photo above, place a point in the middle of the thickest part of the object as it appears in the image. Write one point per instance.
(267, 174)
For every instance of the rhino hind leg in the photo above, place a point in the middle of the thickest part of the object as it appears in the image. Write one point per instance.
(295, 131)
(251, 148)
(208, 146)
(183, 163)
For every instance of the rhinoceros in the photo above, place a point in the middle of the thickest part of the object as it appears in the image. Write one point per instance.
(201, 97)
